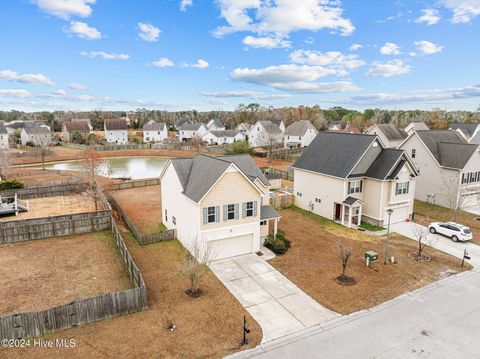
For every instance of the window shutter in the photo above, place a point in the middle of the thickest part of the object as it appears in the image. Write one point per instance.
(236, 210)
(255, 208)
(244, 210)
(217, 214)
(205, 215)
(225, 212)
(361, 186)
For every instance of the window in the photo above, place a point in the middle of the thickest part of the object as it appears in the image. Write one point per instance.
(300, 138)
(318, 200)
(174, 220)
(414, 152)
(299, 194)
(401, 188)
(211, 217)
(355, 186)
(249, 212)
(230, 211)
(263, 223)
(166, 215)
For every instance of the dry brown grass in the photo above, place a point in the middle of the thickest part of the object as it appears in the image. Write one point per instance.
(312, 264)
(206, 327)
(426, 213)
(143, 206)
(41, 274)
(280, 164)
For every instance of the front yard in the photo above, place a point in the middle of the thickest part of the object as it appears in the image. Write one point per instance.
(426, 213)
(312, 263)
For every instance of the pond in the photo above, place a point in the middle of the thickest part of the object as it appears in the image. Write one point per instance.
(122, 167)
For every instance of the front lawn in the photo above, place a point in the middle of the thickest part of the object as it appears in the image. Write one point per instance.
(312, 263)
(426, 213)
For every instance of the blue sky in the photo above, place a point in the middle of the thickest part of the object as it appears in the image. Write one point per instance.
(212, 55)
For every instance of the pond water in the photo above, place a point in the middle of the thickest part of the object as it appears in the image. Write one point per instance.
(122, 167)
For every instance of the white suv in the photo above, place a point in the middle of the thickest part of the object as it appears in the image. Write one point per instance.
(455, 231)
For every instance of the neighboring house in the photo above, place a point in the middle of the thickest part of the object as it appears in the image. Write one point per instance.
(352, 178)
(265, 133)
(280, 124)
(449, 167)
(116, 130)
(4, 144)
(221, 202)
(82, 127)
(179, 123)
(18, 125)
(415, 126)
(223, 137)
(350, 129)
(215, 125)
(191, 130)
(38, 135)
(299, 134)
(244, 127)
(389, 134)
(338, 125)
(155, 131)
(467, 130)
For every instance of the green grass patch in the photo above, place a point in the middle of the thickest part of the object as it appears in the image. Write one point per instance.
(371, 227)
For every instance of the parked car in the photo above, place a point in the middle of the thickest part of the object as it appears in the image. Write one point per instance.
(455, 231)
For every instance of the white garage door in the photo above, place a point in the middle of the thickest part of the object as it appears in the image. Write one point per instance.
(232, 246)
(400, 214)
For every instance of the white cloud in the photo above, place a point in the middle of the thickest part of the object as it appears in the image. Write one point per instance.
(429, 17)
(162, 62)
(77, 86)
(390, 48)
(463, 11)
(185, 4)
(11, 75)
(83, 31)
(309, 40)
(267, 42)
(148, 32)
(355, 47)
(247, 94)
(200, 64)
(334, 59)
(282, 16)
(389, 68)
(105, 55)
(14, 93)
(427, 47)
(318, 87)
(66, 8)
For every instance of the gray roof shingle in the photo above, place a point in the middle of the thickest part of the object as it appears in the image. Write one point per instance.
(191, 126)
(80, 126)
(3, 130)
(116, 124)
(224, 133)
(268, 212)
(468, 129)
(383, 164)
(299, 128)
(271, 128)
(217, 123)
(351, 200)
(391, 131)
(36, 130)
(154, 126)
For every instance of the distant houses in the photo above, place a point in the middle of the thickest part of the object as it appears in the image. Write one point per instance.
(469, 131)
(155, 131)
(415, 126)
(244, 127)
(389, 134)
(223, 137)
(215, 125)
(190, 130)
(265, 133)
(4, 144)
(116, 130)
(36, 135)
(76, 127)
(338, 125)
(299, 134)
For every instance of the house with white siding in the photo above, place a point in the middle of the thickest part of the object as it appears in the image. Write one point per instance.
(220, 202)
(389, 134)
(223, 137)
(191, 130)
(299, 134)
(155, 131)
(116, 130)
(265, 133)
(215, 125)
(4, 144)
(244, 127)
(469, 131)
(38, 135)
(415, 126)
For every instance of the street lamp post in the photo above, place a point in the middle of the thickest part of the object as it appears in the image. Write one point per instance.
(389, 212)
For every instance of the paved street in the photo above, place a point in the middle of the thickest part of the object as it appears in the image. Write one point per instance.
(277, 304)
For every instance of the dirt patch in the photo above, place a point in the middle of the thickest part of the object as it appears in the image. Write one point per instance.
(206, 327)
(280, 164)
(313, 265)
(426, 213)
(143, 206)
(56, 206)
(41, 274)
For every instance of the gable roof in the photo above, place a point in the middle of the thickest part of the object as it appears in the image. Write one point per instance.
(270, 127)
(299, 128)
(468, 129)
(224, 133)
(384, 164)
(448, 147)
(245, 125)
(191, 126)
(277, 123)
(391, 132)
(416, 126)
(475, 139)
(154, 126)
(341, 124)
(116, 124)
(78, 125)
(36, 130)
(197, 175)
(180, 122)
(334, 153)
(216, 122)
(3, 130)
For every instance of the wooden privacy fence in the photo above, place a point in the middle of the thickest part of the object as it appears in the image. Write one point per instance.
(282, 200)
(286, 154)
(135, 184)
(45, 191)
(286, 175)
(111, 147)
(83, 311)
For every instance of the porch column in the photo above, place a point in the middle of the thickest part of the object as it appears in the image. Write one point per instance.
(343, 215)
(349, 217)
(275, 225)
(359, 216)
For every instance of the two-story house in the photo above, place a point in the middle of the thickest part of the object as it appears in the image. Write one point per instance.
(299, 134)
(4, 144)
(415, 126)
(389, 134)
(191, 130)
(449, 167)
(38, 135)
(469, 131)
(351, 178)
(265, 133)
(220, 202)
(77, 127)
(116, 130)
(223, 137)
(244, 127)
(155, 131)
(215, 125)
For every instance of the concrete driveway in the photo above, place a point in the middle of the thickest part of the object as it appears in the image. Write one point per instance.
(442, 243)
(277, 304)
(473, 210)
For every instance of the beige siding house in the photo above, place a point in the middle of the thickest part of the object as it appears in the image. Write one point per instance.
(350, 178)
(389, 134)
(449, 167)
(221, 202)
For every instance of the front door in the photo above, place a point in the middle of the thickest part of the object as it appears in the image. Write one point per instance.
(338, 211)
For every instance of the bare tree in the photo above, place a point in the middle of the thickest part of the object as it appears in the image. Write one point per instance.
(5, 163)
(197, 142)
(344, 252)
(42, 140)
(198, 255)
(93, 168)
(421, 235)
(457, 195)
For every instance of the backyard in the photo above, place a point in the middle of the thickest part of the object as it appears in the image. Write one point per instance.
(41, 274)
(312, 263)
(426, 213)
(206, 327)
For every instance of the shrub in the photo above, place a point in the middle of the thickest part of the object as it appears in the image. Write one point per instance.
(10, 184)
(30, 144)
(240, 147)
(278, 244)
